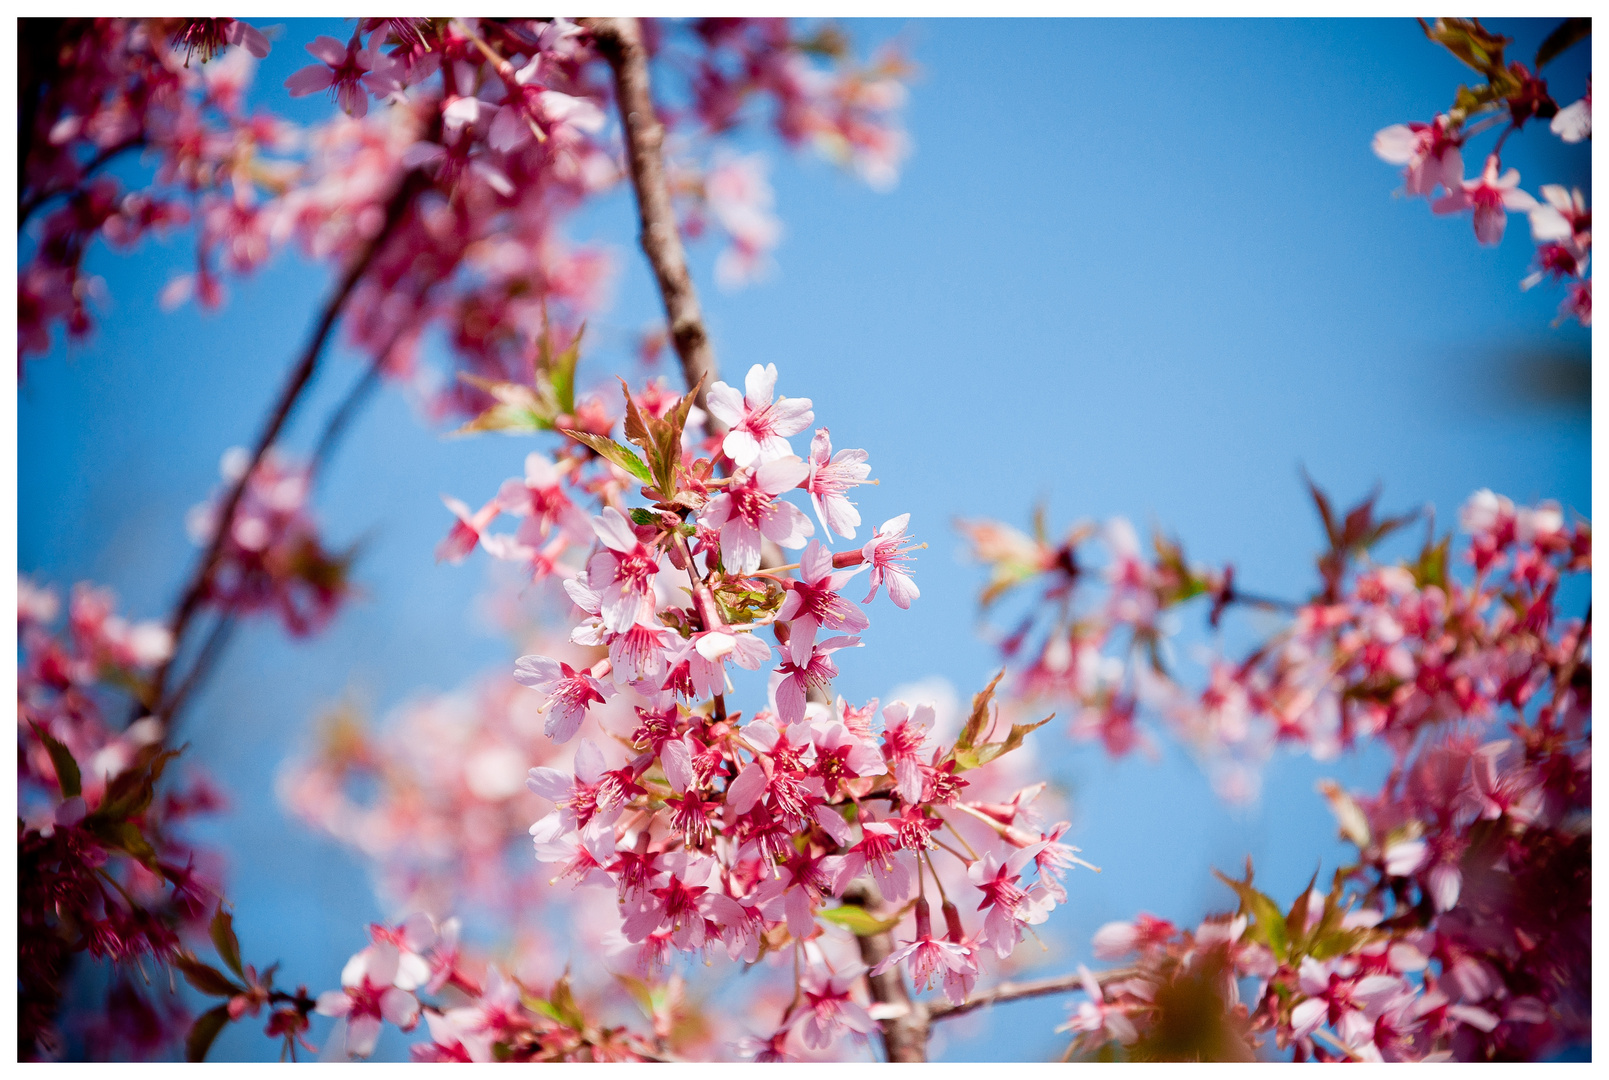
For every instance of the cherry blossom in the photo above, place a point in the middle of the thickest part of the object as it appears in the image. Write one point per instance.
(758, 426)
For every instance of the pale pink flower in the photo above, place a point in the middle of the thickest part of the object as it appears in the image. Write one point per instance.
(1490, 196)
(831, 477)
(566, 692)
(622, 573)
(827, 1009)
(813, 602)
(1003, 896)
(888, 559)
(1573, 123)
(1095, 1015)
(1430, 153)
(905, 739)
(342, 70)
(367, 997)
(705, 654)
(792, 690)
(758, 426)
(928, 955)
(1339, 1000)
(878, 851)
(749, 510)
(466, 531)
(1562, 215)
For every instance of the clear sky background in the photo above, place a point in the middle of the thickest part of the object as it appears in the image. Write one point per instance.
(1139, 268)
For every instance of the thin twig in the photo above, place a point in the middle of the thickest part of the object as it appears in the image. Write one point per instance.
(195, 592)
(211, 651)
(1016, 991)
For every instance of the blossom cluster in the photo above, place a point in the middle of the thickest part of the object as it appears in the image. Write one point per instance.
(272, 558)
(1460, 932)
(1377, 651)
(1432, 156)
(714, 833)
(102, 866)
(450, 198)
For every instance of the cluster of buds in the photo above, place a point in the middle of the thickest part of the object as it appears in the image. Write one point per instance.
(1433, 161)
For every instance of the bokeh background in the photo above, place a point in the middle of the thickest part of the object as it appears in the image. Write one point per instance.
(1132, 267)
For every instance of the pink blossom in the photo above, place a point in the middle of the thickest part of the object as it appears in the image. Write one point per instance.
(827, 1009)
(792, 690)
(1007, 902)
(749, 510)
(927, 955)
(623, 572)
(368, 996)
(466, 531)
(813, 602)
(888, 560)
(578, 796)
(831, 477)
(1430, 153)
(878, 851)
(1573, 123)
(566, 693)
(905, 741)
(1096, 1016)
(342, 69)
(758, 426)
(1490, 196)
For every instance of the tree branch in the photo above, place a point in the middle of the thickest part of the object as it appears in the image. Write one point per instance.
(1016, 991)
(195, 592)
(620, 41)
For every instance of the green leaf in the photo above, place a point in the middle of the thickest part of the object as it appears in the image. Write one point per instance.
(613, 452)
(1431, 569)
(131, 791)
(68, 778)
(520, 409)
(560, 1006)
(972, 757)
(222, 931)
(659, 437)
(124, 836)
(203, 1031)
(858, 921)
(644, 516)
(560, 372)
(1568, 33)
(978, 722)
(1267, 923)
(1296, 920)
(205, 977)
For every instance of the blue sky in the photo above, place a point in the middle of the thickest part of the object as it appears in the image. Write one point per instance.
(1132, 267)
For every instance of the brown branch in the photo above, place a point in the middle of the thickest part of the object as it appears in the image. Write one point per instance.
(1016, 991)
(620, 41)
(195, 592)
(904, 1035)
